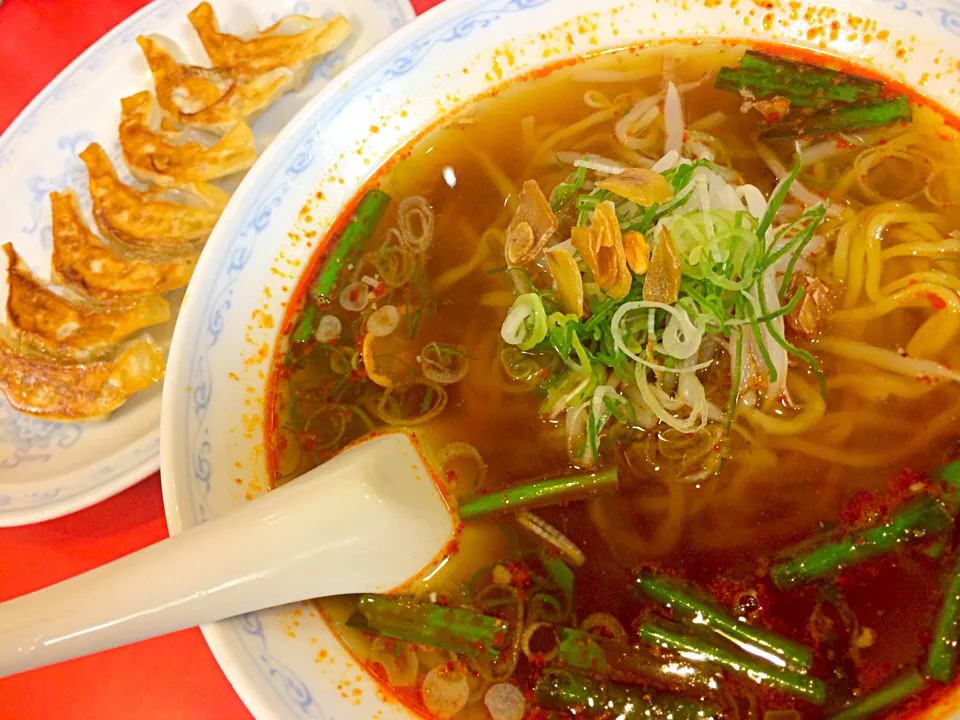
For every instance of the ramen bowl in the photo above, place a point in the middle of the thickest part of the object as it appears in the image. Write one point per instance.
(286, 663)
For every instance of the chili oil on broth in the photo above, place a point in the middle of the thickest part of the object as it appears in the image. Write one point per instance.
(786, 473)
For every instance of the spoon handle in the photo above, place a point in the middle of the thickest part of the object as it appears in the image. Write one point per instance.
(336, 530)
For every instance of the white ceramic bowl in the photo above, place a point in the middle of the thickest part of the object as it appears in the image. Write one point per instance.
(285, 663)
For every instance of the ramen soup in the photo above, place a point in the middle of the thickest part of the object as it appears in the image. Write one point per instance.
(677, 328)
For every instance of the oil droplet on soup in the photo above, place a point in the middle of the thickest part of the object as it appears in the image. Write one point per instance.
(676, 326)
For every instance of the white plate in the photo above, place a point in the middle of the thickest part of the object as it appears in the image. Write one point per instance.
(285, 663)
(51, 469)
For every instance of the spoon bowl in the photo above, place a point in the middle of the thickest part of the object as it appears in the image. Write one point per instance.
(368, 520)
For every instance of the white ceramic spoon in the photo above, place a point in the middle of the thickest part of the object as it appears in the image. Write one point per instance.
(367, 521)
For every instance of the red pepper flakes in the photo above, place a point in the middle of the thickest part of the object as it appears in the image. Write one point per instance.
(937, 302)
(354, 295)
(905, 479)
(519, 574)
(538, 661)
(873, 675)
(862, 508)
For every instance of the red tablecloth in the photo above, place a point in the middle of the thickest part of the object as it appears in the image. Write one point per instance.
(171, 678)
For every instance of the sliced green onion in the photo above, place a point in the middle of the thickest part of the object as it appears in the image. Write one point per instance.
(563, 192)
(761, 345)
(538, 494)
(735, 381)
(813, 216)
(777, 199)
(526, 323)
(786, 309)
(807, 357)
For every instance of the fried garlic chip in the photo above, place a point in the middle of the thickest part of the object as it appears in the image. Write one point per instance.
(83, 262)
(84, 392)
(569, 282)
(640, 185)
(208, 98)
(146, 222)
(156, 153)
(70, 329)
(533, 224)
(296, 42)
(662, 283)
(601, 247)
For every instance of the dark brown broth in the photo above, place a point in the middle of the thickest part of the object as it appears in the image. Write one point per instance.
(722, 526)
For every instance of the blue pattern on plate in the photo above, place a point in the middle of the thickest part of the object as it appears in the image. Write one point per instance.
(33, 499)
(34, 441)
(73, 175)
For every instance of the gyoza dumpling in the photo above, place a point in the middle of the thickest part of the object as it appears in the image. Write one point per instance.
(47, 389)
(296, 42)
(70, 329)
(146, 222)
(208, 98)
(158, 154)
(82, 262)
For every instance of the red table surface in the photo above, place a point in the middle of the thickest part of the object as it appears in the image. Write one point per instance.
(170, 678)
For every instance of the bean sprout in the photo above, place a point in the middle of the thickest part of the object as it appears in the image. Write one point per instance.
(550, 534)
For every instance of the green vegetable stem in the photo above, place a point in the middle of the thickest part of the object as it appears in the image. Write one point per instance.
(365, 220)
(538, 494)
